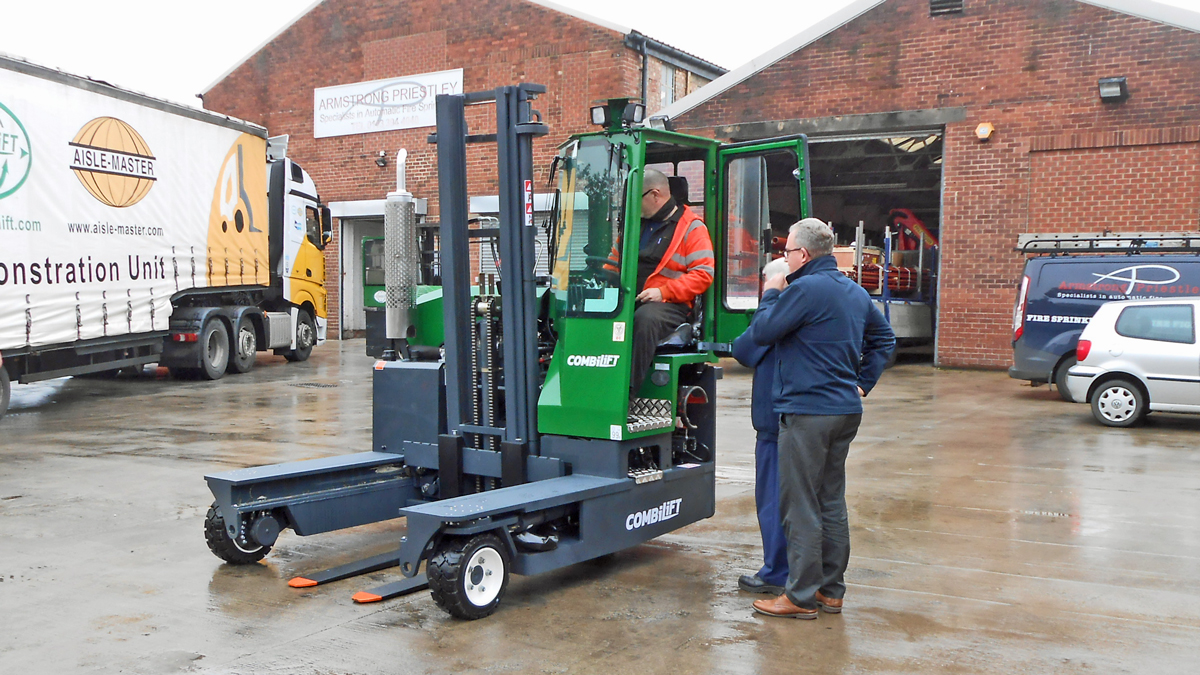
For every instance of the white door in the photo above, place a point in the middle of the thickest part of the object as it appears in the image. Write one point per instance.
(1162, 339)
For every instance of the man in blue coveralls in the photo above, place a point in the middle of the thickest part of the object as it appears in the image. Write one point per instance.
(774, 573)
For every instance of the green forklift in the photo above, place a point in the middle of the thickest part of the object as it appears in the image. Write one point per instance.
(503, 428)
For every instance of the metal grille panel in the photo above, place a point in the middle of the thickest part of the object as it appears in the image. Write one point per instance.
(401, 264)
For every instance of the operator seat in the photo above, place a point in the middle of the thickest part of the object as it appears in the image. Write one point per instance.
(683, 338)
(679, 188)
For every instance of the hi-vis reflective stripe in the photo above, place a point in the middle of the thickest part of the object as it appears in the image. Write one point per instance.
(697, 255)
(667, 511)
(670, 273)
(601, 361)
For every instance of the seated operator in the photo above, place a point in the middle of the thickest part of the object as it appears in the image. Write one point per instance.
(675, 264)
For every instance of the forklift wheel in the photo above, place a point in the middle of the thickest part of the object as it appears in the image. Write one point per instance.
(468, 576)
(227, 549)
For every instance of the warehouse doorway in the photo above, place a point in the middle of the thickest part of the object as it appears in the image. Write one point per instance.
(883, 195)
(357, 236)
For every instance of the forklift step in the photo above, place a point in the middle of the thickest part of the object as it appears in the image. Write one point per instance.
(649, 413)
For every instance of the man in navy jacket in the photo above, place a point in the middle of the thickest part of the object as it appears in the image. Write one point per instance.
(831, 346)
(774, 572)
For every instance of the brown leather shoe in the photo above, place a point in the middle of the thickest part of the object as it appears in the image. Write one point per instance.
(783, 607)
(830, 605)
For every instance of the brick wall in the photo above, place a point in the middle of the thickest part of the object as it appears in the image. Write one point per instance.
(1060, 160)
(496, 42)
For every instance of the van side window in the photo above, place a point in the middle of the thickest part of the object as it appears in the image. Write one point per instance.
(1165, 323)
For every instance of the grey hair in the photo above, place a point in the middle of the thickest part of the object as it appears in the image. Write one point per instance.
(775, 268)
(814, 236)
(653, 178)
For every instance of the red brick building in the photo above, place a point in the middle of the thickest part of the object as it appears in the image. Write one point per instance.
(494, 43)
(891, 93)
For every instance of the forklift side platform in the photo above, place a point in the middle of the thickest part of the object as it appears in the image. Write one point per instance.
(317, 495)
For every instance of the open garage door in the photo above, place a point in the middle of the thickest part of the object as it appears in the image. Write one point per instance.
(883, 194)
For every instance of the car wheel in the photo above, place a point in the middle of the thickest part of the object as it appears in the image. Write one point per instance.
(1060, 378)
(1119, 403)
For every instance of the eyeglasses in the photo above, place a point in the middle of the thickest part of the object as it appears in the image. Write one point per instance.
(789, 250)
(648, 191)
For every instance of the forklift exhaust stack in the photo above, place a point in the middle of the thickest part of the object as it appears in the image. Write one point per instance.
(401, 256)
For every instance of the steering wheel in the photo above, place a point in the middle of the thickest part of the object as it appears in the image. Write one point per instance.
(596, 264)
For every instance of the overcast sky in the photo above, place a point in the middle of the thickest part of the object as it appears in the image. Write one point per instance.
(174, 49)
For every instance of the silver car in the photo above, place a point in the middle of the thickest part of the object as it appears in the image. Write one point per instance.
(1136, 356)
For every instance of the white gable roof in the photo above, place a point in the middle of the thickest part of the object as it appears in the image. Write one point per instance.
(1145, 9)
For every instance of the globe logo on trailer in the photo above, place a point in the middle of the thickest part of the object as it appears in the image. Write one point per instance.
(16, 156)
(113, 162)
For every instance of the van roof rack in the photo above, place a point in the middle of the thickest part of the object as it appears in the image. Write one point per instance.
(1110, 242)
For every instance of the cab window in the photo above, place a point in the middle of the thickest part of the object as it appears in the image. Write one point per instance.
(312, 226)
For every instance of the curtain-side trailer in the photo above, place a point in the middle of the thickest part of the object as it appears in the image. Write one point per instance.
(135, 231)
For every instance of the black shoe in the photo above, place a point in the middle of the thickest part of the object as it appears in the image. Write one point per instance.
(752, 583)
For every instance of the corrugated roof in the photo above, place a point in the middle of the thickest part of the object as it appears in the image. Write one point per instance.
(1145, 9)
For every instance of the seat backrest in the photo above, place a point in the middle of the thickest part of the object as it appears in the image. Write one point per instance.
(679, 188)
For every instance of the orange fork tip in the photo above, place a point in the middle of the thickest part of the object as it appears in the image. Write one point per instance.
(364, 597)
(301, 582)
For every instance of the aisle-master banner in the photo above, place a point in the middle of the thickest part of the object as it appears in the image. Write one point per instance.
(108, 208)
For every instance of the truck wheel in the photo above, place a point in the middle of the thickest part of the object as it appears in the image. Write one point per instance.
(5, 391)
(233, 552)
(468, 576)
(214, 349)
(1119, 403)
(1060, 378)
(244, 350)
(306, 337)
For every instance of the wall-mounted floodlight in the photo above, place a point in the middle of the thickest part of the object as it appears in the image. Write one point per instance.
(381, 159)
(1113, 89)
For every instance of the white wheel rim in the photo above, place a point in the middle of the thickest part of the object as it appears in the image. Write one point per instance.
(246, 344)
(1117, 404)
(483, 576)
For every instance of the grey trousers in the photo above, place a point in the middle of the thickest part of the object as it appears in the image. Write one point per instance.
(812, 503)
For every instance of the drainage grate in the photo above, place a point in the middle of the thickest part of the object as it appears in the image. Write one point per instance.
(315, 385)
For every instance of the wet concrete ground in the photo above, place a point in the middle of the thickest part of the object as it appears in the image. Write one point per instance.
(995, 529)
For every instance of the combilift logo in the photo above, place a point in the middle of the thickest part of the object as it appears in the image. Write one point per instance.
(16, 157)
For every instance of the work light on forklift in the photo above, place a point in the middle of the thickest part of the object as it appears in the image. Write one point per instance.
(600, 115)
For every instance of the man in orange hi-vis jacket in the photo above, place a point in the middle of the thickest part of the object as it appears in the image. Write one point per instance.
(675, 264)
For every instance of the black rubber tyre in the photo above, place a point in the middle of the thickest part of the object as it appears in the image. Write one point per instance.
(1060, 378)
(5, 391)
(306, 337)
(1119, 403)
(462, 571)
(214, 349)
(243, 347)
(234, 553)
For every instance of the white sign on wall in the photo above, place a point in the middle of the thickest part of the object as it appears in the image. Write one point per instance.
(382, 105)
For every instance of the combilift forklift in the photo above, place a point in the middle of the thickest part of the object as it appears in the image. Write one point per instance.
(516, 448)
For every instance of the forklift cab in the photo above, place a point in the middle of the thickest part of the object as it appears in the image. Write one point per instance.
(747, 194)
